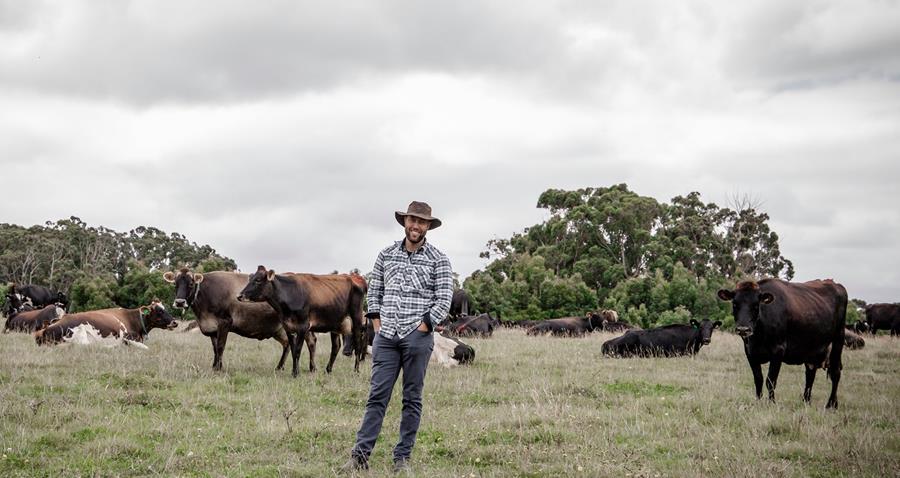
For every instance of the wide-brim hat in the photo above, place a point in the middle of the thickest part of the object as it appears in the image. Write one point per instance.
(420, 210)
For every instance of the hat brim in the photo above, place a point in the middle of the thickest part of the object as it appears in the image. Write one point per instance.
(435, 222)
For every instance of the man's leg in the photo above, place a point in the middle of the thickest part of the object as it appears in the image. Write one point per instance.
(385, 369)
(416, 350)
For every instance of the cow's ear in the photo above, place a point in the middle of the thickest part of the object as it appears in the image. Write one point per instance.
(145, 310)
(270, 275)
(169, 277)
(717, 324)
(198, 278)
(725, 294)
(766, 298)
(260, 268)
(695, 324)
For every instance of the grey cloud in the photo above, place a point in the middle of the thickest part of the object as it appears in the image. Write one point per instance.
(144, 53)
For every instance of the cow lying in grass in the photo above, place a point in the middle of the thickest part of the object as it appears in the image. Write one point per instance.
(668, 341)
(131, 324)
(33, 320)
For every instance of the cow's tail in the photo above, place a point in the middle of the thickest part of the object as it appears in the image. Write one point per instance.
(358, 329)
(837, 342)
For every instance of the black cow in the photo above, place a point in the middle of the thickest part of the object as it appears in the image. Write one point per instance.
(310, 302)
(33, 320)
(481, 325)
(459, 303)
(861, 327)
(212, 298)
(793, 323)
(666, 341)
(883, 317)
(568, 326)
(618, 326)
(40, 296)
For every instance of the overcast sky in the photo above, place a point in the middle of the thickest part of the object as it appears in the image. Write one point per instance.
(286, 133)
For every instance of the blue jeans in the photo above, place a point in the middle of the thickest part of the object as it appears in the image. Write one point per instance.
(389, 357)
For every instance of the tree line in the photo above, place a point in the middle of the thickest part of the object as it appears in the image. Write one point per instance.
(98, 267)
(654, 263)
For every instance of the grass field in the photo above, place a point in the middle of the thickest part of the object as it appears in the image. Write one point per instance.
(527, 407)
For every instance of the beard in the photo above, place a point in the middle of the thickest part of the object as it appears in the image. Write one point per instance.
(409, 238)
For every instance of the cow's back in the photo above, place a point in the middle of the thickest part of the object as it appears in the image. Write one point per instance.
(217, 300)
(804, 320)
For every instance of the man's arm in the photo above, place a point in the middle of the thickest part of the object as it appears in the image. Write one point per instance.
(376, 288)
(443, 292)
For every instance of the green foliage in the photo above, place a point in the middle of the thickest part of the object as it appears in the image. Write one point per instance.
(652, 262)
(92, 293)
(99, 267)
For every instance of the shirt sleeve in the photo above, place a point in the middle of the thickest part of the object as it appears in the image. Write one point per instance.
(376, 286)
(443, 292)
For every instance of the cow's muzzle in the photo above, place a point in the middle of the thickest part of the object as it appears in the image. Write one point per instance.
(743, 331)
(705, 341)
(172, 325)
(241, 298)
(180, 304)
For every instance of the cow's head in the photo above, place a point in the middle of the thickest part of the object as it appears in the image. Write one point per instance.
(746, 300)
(861, 326)
(706, 328)
(259, 286)
(185, 286)
(155, 316)
(62, 300)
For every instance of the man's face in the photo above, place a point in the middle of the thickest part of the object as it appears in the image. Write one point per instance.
(415, 229)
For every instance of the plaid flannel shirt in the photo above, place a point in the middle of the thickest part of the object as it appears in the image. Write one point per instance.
(408, 288)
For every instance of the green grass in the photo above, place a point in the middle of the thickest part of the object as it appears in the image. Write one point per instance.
(528, 407)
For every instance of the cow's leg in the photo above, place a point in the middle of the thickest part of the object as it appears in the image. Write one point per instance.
(219, 344)
(756, 368)
(311, 346)
(296, 345)
(335, 345)
(348, 345)
(285, 340)
(358, 329)
(772, 378)
(810, 378)
(834, 371)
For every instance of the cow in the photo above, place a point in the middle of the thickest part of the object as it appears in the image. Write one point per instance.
(33, 320)
(568, 326)
(131, 324)
(40, 296)
(211, 297)
(852, 340)
(860, 327)
(883, 317)
(459, 303)
(619, 326)
(792, 323)
(310, 302)
(450, 351)
(481, 325)
(667, 341)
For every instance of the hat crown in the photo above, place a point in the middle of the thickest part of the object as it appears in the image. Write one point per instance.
(417, 207)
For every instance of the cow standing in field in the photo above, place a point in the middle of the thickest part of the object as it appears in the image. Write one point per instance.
(309, 302)
(883, 317)
(33, 320)
(131, 324)
(666, 341)
(459, 303)
(783, 322)
(568, 326)
(40, 296)
(212, 297)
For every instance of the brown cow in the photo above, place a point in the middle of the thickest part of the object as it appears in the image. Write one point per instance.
(568, 326)
(309, 302)
(132, 324)
(792, 323)
(34, 320)
(212, 298)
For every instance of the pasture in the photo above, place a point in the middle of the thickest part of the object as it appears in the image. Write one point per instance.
(529, 406)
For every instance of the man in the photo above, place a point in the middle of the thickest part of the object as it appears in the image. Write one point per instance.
(409, 294)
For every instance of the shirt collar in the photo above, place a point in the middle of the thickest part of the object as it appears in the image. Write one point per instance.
(421, 249)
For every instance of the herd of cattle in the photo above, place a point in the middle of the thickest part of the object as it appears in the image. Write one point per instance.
(779, 322)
